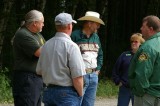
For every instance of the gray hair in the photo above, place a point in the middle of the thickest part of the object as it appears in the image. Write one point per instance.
(31, 16)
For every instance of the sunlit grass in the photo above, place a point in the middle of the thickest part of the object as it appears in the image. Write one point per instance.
(106, 88)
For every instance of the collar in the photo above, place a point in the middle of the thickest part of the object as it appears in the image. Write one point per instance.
(84, 36)
(155, 36)
(61, 34)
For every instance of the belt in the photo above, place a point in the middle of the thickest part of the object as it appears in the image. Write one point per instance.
(52, 86)
(90, 70)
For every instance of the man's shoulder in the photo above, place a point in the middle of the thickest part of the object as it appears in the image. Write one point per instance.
(22, 33)
(151, 44)
(76, 35)
(76, 31)
(63, 39)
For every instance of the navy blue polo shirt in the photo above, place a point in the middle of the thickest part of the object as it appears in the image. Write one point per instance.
(120, 70)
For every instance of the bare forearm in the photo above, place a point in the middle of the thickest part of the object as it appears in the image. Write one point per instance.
(37, 53)
(78, 85)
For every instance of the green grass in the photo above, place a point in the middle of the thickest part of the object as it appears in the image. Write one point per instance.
(106, 88)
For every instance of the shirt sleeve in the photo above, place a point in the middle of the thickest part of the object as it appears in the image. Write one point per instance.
(28, 45)
(76, 63)
(39, 68)
(116, 70)
(143, 70)
(100, 56)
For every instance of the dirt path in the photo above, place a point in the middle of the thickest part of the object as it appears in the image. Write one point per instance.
(106, 102)
(99, 102)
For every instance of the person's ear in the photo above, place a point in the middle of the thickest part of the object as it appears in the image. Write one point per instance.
(70, 26)
(151, 29)
(34, 23)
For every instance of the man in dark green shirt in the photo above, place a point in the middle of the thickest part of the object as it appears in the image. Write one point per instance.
(144, 71)
(27, 42)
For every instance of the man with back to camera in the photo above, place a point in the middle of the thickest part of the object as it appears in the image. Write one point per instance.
(61, 66)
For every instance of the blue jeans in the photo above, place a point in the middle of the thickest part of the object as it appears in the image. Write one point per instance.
(124, 96)
(90, 88)
(61, 96)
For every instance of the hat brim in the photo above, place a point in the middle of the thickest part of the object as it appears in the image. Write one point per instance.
(73, 21)
(91, 18)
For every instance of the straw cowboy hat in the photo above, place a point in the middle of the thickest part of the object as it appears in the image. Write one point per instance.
(92, 16)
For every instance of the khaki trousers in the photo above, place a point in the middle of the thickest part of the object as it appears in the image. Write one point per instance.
(146, 100)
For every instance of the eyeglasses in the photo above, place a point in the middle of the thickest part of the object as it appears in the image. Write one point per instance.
(134, 41)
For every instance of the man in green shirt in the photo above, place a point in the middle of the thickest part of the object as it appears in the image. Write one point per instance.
(27, 42)
(90, 46)
(144, 71)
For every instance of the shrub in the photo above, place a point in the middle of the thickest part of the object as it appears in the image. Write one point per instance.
(5, 88)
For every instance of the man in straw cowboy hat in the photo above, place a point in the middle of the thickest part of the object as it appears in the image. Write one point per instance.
(90, 46)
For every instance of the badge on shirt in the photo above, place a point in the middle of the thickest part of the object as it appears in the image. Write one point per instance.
(128, 54)
(143, 57)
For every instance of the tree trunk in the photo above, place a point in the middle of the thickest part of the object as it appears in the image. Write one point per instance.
(5, 12)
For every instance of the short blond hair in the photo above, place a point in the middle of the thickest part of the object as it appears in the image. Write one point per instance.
(137, 36)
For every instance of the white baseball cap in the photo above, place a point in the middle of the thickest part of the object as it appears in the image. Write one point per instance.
(64, 19)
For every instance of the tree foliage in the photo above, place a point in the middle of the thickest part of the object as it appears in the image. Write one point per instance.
(122, 19)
